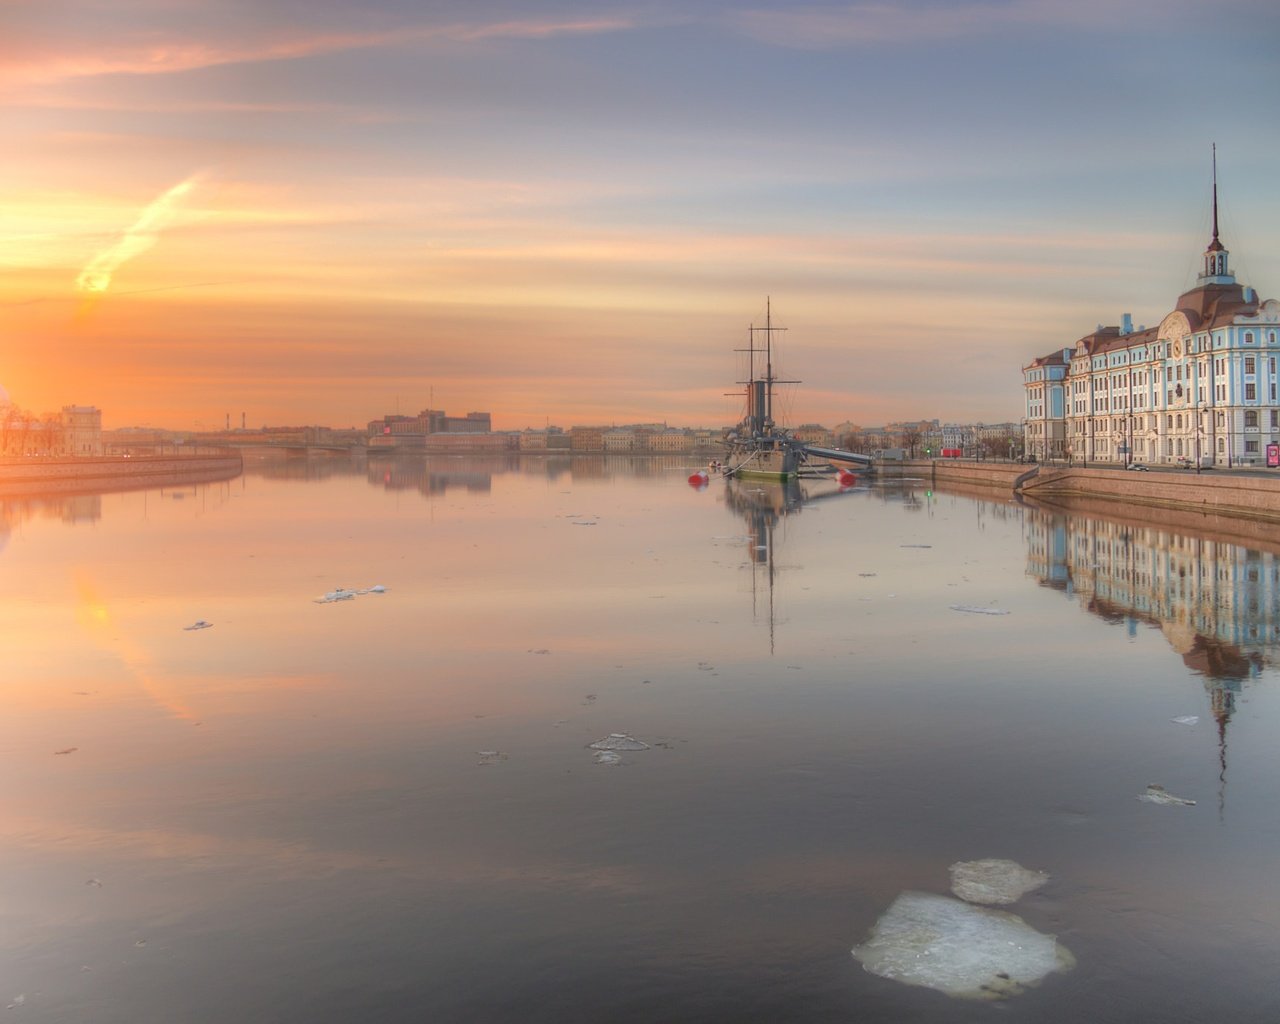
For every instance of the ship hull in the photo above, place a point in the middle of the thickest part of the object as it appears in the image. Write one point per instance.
(763, 463)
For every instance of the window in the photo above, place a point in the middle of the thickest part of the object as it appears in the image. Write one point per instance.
(1248, 337)
(1251, 447)
(1222, 445)
(1251, 419)
(1251, 392)
(1249, 365)
(1275, 419)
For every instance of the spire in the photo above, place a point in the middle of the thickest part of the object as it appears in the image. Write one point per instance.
(1215, 257)
(1215, 245)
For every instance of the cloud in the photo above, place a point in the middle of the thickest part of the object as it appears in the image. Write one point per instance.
(178, 54)
(95, 278)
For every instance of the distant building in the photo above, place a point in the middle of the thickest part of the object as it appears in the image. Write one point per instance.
(813, 433)
(671, 442)
(80, 430)
(586, 439)
(412, 431)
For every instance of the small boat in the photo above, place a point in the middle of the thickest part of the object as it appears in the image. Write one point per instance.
(757, 447)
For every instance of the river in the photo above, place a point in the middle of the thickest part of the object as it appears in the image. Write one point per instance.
(386, 806)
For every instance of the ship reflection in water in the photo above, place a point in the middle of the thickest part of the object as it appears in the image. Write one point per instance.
(762, 505)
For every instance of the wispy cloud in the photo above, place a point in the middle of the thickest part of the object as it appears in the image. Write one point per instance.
(96, 276)
(181, 54)
(869, 24)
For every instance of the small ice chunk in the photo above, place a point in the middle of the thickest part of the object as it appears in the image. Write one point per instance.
(608, 757)
(973, 610)
(618, 741)
(96, 883)
(1156, 794)
(965, 951)
(1185, 720)
(18, 1000)
(377, 588)
(866, 575)
(68, 750)
(490, 756)
(915, 545)
(341, 594)
(994, 881)
(198, 624)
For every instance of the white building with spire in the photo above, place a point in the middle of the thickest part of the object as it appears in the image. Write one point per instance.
(1199, 388)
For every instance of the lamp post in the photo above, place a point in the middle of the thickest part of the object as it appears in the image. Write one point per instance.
(1199, 413)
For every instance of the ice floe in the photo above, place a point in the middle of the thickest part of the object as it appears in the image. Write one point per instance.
(343, 594)
(198, 624)
(954, 947)
(1156, 794)
(608, 757)
(618, 741)
(490, 757)
(974, 610)
(1185, 720)
(994, 881)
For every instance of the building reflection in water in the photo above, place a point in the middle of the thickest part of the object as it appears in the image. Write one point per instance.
(434, 475)
(1213, 598)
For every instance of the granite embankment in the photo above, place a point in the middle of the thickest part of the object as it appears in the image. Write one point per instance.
(113, 473)
(1248, 495)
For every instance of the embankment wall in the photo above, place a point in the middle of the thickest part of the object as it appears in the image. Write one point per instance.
(24, 476)
(1219, 493)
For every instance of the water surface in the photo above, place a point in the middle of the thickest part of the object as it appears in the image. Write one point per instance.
(386, 808)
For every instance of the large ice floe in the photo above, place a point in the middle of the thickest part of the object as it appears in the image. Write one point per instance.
(994, 881)
(955, 947)
(964, 950)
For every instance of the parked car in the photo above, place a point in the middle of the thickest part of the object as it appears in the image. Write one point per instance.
(1139, 467)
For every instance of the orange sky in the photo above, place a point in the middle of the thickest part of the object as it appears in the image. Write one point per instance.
(564, 218)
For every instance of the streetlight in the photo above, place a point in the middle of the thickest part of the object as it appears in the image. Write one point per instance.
(1199, 413)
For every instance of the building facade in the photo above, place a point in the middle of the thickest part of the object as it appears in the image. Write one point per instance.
(1199, 388)
(81, 430)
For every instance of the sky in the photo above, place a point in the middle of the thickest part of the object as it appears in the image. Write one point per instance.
(572, 213)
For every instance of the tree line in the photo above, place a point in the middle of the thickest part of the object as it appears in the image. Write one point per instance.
(25, 433)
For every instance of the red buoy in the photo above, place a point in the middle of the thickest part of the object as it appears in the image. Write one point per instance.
(699, 479)
(847, 479)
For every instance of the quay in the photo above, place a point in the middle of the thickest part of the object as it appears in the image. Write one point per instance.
(1243, 493)
(65, 475)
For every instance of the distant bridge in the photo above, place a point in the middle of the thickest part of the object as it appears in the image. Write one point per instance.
(287, 446)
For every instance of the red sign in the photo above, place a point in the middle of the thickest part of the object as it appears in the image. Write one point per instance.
(951, 453)
(1273, 455)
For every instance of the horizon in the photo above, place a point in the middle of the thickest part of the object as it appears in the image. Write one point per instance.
(576, 213)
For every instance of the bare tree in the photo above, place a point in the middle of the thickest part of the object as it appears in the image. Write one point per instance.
(10, 418)
(48, 431)
(911, 438)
